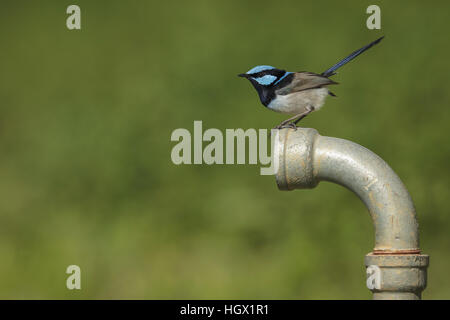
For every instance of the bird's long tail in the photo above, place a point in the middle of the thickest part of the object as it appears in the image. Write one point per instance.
(329, 72)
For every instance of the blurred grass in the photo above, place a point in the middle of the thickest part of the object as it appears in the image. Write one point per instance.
(85, 170)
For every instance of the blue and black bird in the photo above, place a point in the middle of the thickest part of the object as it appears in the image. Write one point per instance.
(296, 93)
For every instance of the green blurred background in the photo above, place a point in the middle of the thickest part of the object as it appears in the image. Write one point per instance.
(86, 176)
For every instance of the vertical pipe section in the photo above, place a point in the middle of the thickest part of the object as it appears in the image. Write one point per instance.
(305, 158)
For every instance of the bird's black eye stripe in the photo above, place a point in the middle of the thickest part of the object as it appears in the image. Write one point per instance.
(273, 72)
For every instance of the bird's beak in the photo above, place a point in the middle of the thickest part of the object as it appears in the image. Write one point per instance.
(243, 75)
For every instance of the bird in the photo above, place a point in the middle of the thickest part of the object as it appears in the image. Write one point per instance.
(296, 93)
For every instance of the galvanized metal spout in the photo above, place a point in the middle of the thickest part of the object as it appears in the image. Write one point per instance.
(305, 158)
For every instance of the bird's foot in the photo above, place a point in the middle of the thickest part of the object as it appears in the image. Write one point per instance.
(290, 125)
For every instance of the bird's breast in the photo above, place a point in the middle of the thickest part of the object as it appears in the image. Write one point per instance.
(298, 102)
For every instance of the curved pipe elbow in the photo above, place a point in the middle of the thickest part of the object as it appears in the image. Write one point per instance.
(305, 158)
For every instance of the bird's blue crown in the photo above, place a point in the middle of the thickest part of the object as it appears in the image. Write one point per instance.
(259, 69)
(267, 75)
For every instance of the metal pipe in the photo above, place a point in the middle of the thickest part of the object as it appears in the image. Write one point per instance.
(305, 158)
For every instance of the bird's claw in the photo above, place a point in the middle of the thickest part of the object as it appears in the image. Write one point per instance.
(286, 125)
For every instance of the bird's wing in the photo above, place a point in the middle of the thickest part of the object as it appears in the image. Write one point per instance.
(304, 81)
